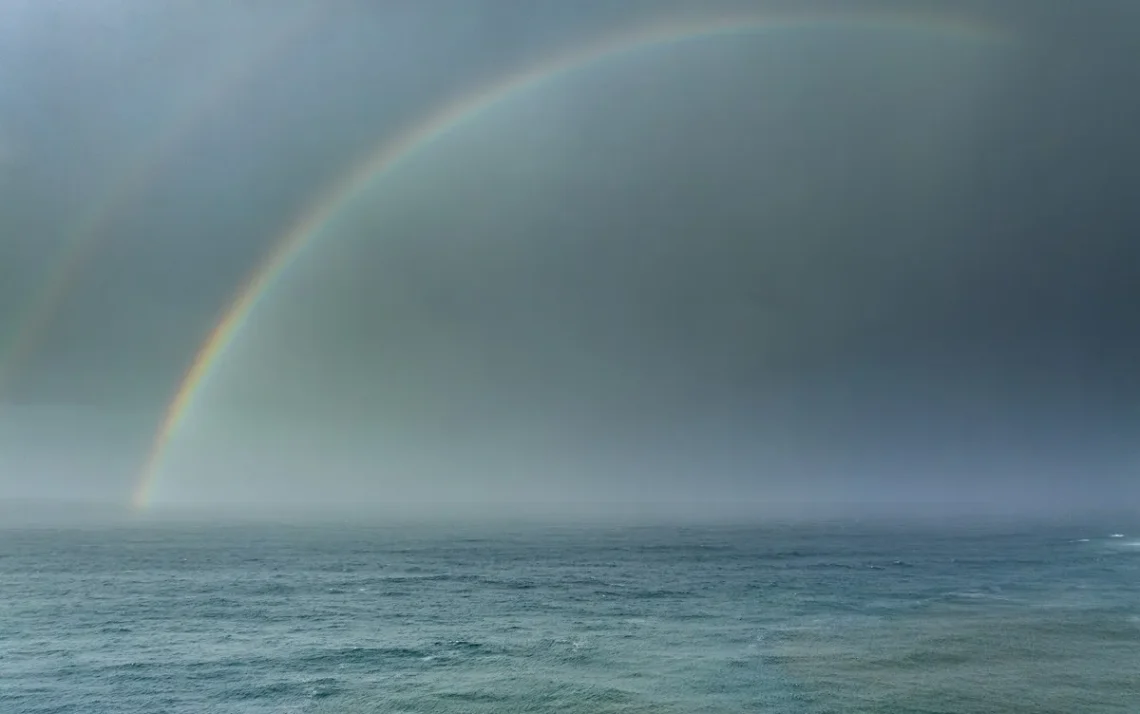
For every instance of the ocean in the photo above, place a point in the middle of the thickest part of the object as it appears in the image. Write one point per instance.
(823, 617)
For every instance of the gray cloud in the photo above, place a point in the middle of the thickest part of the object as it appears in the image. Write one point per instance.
(797, 267)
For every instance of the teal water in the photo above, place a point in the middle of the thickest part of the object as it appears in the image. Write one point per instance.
(835, 618)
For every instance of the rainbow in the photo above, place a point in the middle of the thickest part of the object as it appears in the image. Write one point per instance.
(81, 238)
(391, 153)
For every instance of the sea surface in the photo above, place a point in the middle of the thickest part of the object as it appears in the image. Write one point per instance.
(836, 617)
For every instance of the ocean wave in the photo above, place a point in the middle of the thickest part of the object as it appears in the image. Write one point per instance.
(316, 689)
(642, 594)
(976, 598)
(362, 655)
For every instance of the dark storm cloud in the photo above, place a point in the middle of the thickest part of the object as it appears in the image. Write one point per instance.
(878, 270)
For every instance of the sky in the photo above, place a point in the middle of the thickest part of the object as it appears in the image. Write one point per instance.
(844, 266)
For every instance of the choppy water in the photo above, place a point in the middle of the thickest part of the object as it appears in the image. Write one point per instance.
(355, 619)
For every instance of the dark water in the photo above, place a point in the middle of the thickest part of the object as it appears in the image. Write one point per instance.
(662, 619)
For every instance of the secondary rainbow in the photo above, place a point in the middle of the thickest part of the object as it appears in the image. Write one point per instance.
(83, 236)
(313, 220)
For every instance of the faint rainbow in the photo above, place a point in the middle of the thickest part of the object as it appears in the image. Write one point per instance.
(450, 115)
(82, 237)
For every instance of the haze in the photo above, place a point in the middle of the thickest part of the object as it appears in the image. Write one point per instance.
(824, 268)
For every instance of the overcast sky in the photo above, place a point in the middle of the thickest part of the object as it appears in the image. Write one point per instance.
(823, 265)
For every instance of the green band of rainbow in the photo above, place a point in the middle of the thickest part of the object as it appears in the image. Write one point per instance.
(392, 152)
